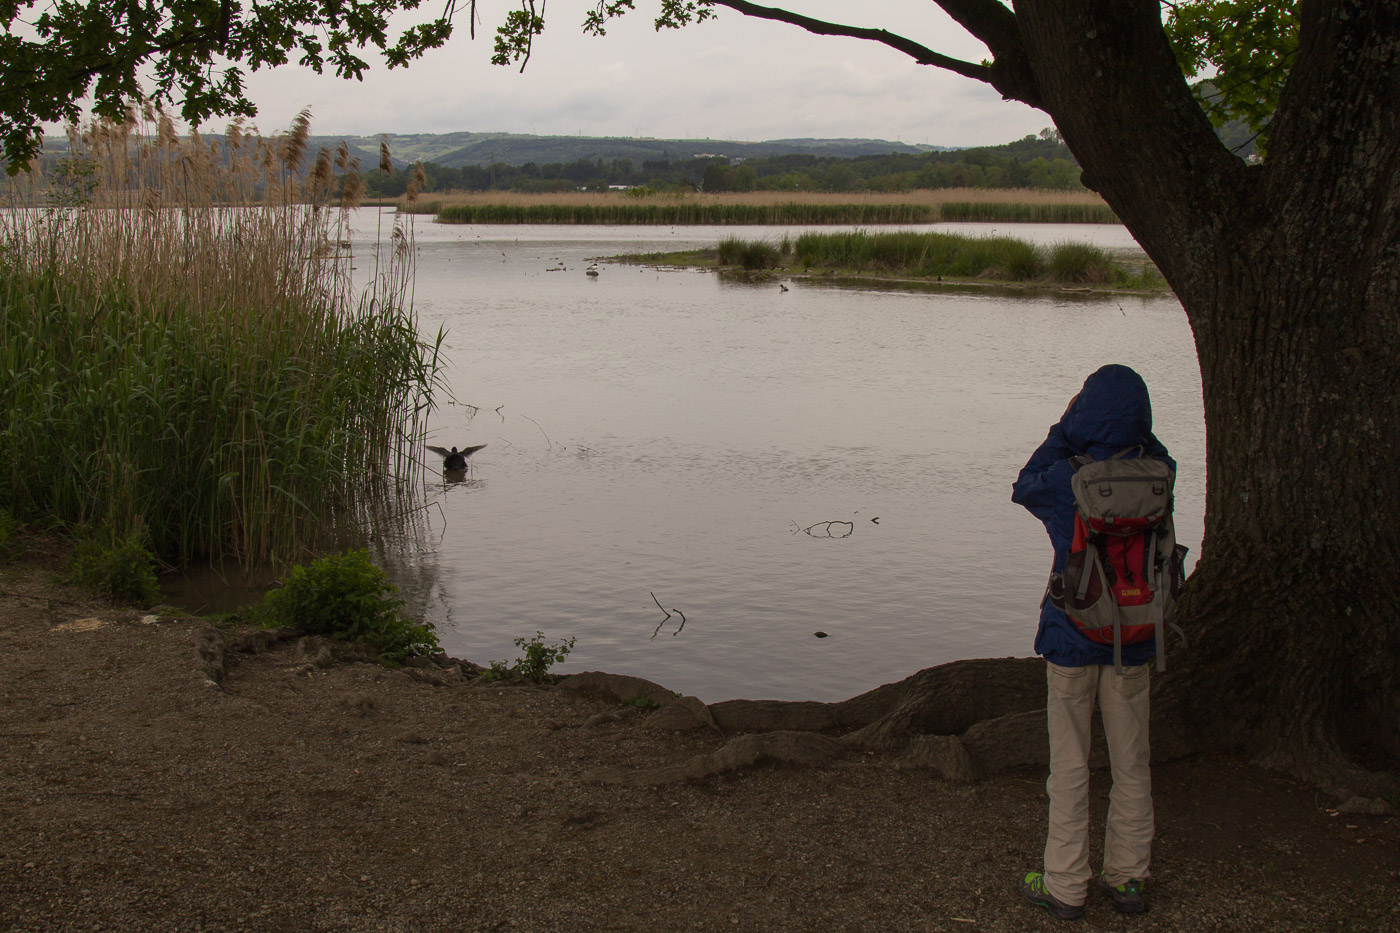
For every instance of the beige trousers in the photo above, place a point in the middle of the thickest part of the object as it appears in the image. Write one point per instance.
(1123, 702)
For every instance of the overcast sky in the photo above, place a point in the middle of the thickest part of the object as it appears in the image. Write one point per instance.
(731, 78)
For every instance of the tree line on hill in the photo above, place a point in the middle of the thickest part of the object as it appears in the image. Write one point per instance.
(1032, 162)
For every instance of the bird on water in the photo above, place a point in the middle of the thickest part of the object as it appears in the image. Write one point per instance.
(455, 459)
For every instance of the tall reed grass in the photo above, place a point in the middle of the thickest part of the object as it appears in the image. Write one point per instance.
(184, 356)
(1027, 212)
(690, 213)
(763, 207)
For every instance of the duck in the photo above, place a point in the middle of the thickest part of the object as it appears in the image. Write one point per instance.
(455, 459)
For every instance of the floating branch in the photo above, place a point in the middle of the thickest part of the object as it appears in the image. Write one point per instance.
(831, 529)
(667, 616)
(537, 424)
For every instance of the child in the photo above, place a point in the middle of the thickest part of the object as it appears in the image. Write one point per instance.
(1110, 414)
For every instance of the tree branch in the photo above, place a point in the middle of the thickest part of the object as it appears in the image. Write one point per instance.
(920, 53)
(988, 20)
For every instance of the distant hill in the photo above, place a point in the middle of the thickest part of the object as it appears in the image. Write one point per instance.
(455, 150)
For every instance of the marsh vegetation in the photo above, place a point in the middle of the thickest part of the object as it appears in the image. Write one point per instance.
(184, 360)
(921, 255)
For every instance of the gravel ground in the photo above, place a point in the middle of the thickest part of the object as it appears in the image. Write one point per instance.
(135, 795)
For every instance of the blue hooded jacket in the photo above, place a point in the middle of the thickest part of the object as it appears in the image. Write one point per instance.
(1112, 412)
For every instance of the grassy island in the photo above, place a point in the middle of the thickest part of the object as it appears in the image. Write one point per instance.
(913, 255)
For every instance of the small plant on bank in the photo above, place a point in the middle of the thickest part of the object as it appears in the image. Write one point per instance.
(11, 545)
(124, 571)
(536, 661)
(345, 596)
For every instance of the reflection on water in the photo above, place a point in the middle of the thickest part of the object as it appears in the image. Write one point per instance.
(663, 436)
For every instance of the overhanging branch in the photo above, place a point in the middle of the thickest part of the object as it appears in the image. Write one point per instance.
(920, 53)
(988, 20)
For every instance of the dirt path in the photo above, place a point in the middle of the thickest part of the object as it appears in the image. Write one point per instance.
(135, 795)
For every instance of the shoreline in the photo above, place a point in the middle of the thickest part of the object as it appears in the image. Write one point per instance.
(302, 792)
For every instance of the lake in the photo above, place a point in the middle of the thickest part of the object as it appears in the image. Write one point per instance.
(674, 436)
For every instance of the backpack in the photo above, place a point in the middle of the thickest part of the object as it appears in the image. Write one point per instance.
(1124, 569)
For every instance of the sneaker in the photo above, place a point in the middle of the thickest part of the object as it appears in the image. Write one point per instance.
(1127, 897)
(1033, 889)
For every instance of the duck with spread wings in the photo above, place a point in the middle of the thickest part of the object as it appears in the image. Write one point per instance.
(455, 459)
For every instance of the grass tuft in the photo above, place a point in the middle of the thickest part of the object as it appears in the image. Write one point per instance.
(749, 254)
(124, 571)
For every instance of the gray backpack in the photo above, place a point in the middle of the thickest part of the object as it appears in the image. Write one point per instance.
(1124, 569)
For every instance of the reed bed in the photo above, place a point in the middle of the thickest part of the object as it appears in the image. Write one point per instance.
(913, 254)
(640, 206)
(1028, 213)
(185, 357)
(691, 213)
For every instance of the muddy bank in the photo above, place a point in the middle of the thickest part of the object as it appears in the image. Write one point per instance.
(299, 791)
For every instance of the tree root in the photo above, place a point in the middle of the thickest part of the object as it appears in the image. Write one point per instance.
(959, 720)
(1314, 760)
(962, 721)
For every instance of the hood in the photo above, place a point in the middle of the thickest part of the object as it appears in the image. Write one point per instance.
(1110, 413)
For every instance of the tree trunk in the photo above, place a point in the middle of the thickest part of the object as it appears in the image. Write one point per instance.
(1290, 277)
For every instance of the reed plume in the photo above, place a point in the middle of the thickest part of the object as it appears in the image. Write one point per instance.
(295, 142)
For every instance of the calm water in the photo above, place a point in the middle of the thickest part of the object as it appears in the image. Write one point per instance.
(672, 432)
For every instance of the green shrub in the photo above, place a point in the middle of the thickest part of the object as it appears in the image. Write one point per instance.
(124, 571)
(535, 663)
(10, 544)
(345, 596)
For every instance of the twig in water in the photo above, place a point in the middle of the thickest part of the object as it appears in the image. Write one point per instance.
(668, 615)
(498, 411)
(537, 424)
(663, 609)
(827, 527)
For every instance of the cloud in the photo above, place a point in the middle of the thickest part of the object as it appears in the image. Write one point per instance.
(735, 77)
